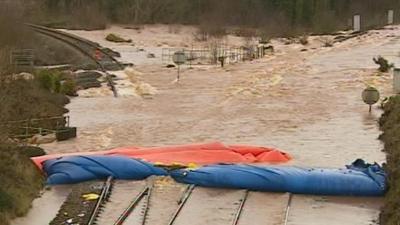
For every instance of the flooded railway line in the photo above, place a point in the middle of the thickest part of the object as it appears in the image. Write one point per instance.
(103, 58)
(160, 200)
(231, 122)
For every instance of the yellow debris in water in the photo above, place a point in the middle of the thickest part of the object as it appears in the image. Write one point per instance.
(192, 166)
(275, 80)
(90, 197)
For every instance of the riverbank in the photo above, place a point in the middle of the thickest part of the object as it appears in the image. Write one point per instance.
(390, 125)
(21, 182)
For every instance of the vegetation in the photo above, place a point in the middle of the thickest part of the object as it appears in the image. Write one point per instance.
(303, 40)
(384, 65)
(275, 17)
(20, 182)
(117, 39)
(21, 98)
(390, 125)
(55, 82)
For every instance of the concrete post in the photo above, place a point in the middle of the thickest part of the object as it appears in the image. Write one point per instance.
(357, 23)
(396, 80)
(390, 16)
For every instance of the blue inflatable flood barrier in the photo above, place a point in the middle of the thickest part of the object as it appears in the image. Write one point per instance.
(368, 180)
(75, 169)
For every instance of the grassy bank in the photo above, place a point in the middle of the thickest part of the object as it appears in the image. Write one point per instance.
(20, 183)
(20, 180)
(25, 97)
(390, 125)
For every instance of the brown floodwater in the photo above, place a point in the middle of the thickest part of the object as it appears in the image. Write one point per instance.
(307, 103)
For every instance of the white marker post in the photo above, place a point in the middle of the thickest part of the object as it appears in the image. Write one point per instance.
(357, 23)
(396, 80)
(390, 17)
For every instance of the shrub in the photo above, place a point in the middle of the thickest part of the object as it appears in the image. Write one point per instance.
(327, 42)
(44, 78)
(303, 40)
(68, 87)
(20, 183)
(49, 80)
(5, 201)
(384, 65)
(31, 151)
(115, 38)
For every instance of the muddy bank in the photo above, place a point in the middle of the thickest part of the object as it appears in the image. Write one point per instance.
(390, 124)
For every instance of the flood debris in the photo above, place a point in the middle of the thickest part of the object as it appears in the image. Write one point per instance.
(151, 55)
(384, 65)
(115, 38)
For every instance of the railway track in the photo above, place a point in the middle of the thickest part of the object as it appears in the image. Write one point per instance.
(128, 203)
(161, 201)
(155, 202)
(101, 57)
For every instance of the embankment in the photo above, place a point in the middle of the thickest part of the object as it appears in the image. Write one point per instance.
(20, 181)
(390, 125)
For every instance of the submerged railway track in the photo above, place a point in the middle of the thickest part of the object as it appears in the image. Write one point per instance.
(164, 202)
(161, 201)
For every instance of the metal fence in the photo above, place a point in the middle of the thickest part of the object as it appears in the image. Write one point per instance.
(22, 58)
(22, 129)
(213, 55)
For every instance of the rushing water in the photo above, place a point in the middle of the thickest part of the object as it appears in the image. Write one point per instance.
(306, 103)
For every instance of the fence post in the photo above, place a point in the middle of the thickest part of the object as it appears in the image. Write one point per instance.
(357, 23)
(390, 17)
(396, 80)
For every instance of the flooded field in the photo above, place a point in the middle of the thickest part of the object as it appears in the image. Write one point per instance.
(307, 103)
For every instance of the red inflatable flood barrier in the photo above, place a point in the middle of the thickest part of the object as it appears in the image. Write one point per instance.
(209, 153)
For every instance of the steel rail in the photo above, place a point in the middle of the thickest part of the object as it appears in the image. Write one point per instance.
(132, 206)
(79, 39)
(288, 208)
(146, 209)
(240, 209)
(104, 193)
(63, 37)
(182, 202)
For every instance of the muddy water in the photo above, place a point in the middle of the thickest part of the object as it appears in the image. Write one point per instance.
(311, 210)
(307, 103)
(210, 206)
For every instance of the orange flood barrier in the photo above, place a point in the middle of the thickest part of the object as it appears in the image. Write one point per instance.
(208, 153)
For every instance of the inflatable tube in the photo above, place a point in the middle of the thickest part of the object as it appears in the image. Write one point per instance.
(354, 182)
(209, 153)
(75, 169)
